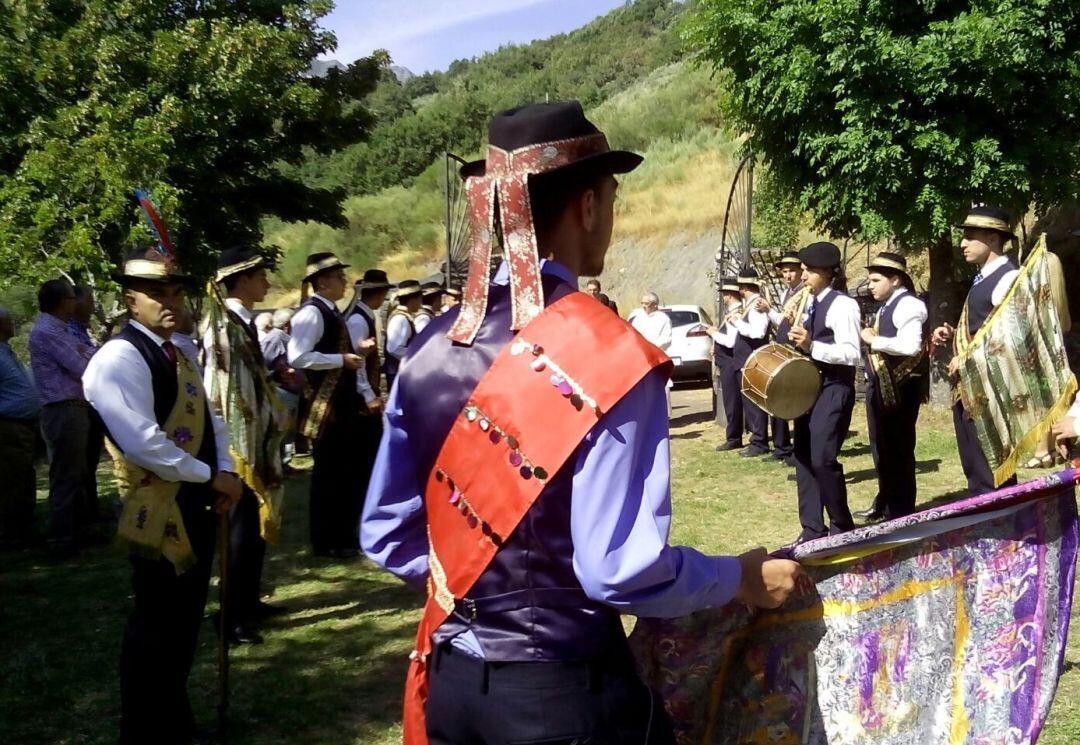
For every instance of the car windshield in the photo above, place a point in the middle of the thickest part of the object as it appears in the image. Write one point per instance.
(682, 317)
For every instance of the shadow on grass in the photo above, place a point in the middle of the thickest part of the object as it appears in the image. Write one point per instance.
(868, 474)
(696, 417)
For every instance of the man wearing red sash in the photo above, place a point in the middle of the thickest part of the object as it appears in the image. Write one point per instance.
(530, 492)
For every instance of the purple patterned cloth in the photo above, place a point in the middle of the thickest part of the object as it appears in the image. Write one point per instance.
(58, 360)
(947, 626)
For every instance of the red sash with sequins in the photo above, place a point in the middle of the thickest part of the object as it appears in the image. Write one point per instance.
(527, 416)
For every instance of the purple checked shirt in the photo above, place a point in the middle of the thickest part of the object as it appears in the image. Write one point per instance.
(619, 519)
(58, 360)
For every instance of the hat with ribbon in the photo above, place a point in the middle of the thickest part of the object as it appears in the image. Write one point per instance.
(240, 259)
(407, 288)
(985, 217)
(892, 263)
(452, 292)
(321, 262)
(729, 284)
(524, 143)
(374, 279)
(748, 277)
(790, 258)
(821, 255)
(158, 262)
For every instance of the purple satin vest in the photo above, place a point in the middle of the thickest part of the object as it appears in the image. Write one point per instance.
(528, 604)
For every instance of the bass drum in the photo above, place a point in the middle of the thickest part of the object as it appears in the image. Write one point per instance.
(781, 381)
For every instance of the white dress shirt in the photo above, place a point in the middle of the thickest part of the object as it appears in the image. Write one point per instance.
(307, 329)
(909, 316)
(118, 384)
(358, 332)
(725, 335)
(655, 327)
(843, 319)
(755, 324)
(423, 318)
(1004, 283)
(1074, 410)
(775, 315)
(399, 331)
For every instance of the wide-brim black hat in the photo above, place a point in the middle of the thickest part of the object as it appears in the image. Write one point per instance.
(748, 277)
(729, 284)
(821, 255)
(239, 259)
(407, 288)
(150, 265)
(985, 217)
(894, 263)
(374, 279)
(319, 263)
(542, 123)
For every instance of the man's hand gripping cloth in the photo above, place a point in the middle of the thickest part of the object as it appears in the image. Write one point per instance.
(524, 420)
(944, 627)
(241, 391)
(1015, 380)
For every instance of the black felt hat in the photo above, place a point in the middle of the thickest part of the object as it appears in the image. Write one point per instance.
(894, 263)
(407, 288)
(239, 259)
(821, 255)
(749, 276)
(985, 217)
(374, 279)
(150, 265)
(790, 258)
(541, 123)
(729, 284)
(323, 261)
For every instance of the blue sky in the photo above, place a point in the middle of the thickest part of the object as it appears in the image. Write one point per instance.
(425, 35)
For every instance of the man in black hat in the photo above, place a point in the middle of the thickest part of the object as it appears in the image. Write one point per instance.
(430, 302)
(243, 397)
(987, 231)
(321, 347)
(753, 332)
(897, 383)
(173, 468)
(524, 609)
(728, 371)
(790, 270)
(400, 325)
(829, 333)
(451, 297)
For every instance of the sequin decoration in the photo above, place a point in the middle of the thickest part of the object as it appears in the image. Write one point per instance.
(497, 435)
(567, 387)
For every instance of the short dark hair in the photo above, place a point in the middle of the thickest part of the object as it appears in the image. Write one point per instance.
(52, 293)
(230, 281)
(550, 194)
(594, 281)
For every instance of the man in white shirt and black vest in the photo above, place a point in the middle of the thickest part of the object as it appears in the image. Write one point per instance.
(173, 470)
(321, 347)
(728, 372)
(829, 333)
(431, 302)
(790, 270)
(987, 231)
(897, 371)
(400, 328)
(753, 333)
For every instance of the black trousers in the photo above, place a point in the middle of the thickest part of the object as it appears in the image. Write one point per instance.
(65, 425)
(247, 552)
(554, 703)
(334, 492)
(95, 443)
(893, 437)
(161, 636)
(820, 477)
(781, 430)
(980, 478)
(731, 390)
(757, 421)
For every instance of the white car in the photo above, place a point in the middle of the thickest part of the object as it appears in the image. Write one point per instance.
(691, 346)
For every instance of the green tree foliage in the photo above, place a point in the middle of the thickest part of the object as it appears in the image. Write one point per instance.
(197, 100)
(888, 118)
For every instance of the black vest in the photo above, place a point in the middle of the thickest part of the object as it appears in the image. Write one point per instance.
(192, 498)
(335, 334)
(980, 301)
(886, 327)
(371, 362)
(745, 346)
(819, 331)
(784, 328)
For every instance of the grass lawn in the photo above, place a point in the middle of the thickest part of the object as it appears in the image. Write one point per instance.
(331, 671)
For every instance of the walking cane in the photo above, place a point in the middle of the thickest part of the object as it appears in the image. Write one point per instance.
(223, 630)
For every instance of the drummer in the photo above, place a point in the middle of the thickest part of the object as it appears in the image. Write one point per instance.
(753, 332)
(897, 370)
(728, 372)
(790, 270)
(829, 333)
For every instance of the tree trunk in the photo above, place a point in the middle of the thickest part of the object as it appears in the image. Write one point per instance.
(947, 293)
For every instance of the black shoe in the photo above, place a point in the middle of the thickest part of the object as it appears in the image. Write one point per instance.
(267, 610)
(789, 461)
(871, 514)
(753, 452)
(241, 634)
(729, 445)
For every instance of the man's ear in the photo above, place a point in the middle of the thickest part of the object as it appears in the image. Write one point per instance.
(588, 209)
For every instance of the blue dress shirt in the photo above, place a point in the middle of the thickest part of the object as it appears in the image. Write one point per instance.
(619, 517)
(18, 397)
